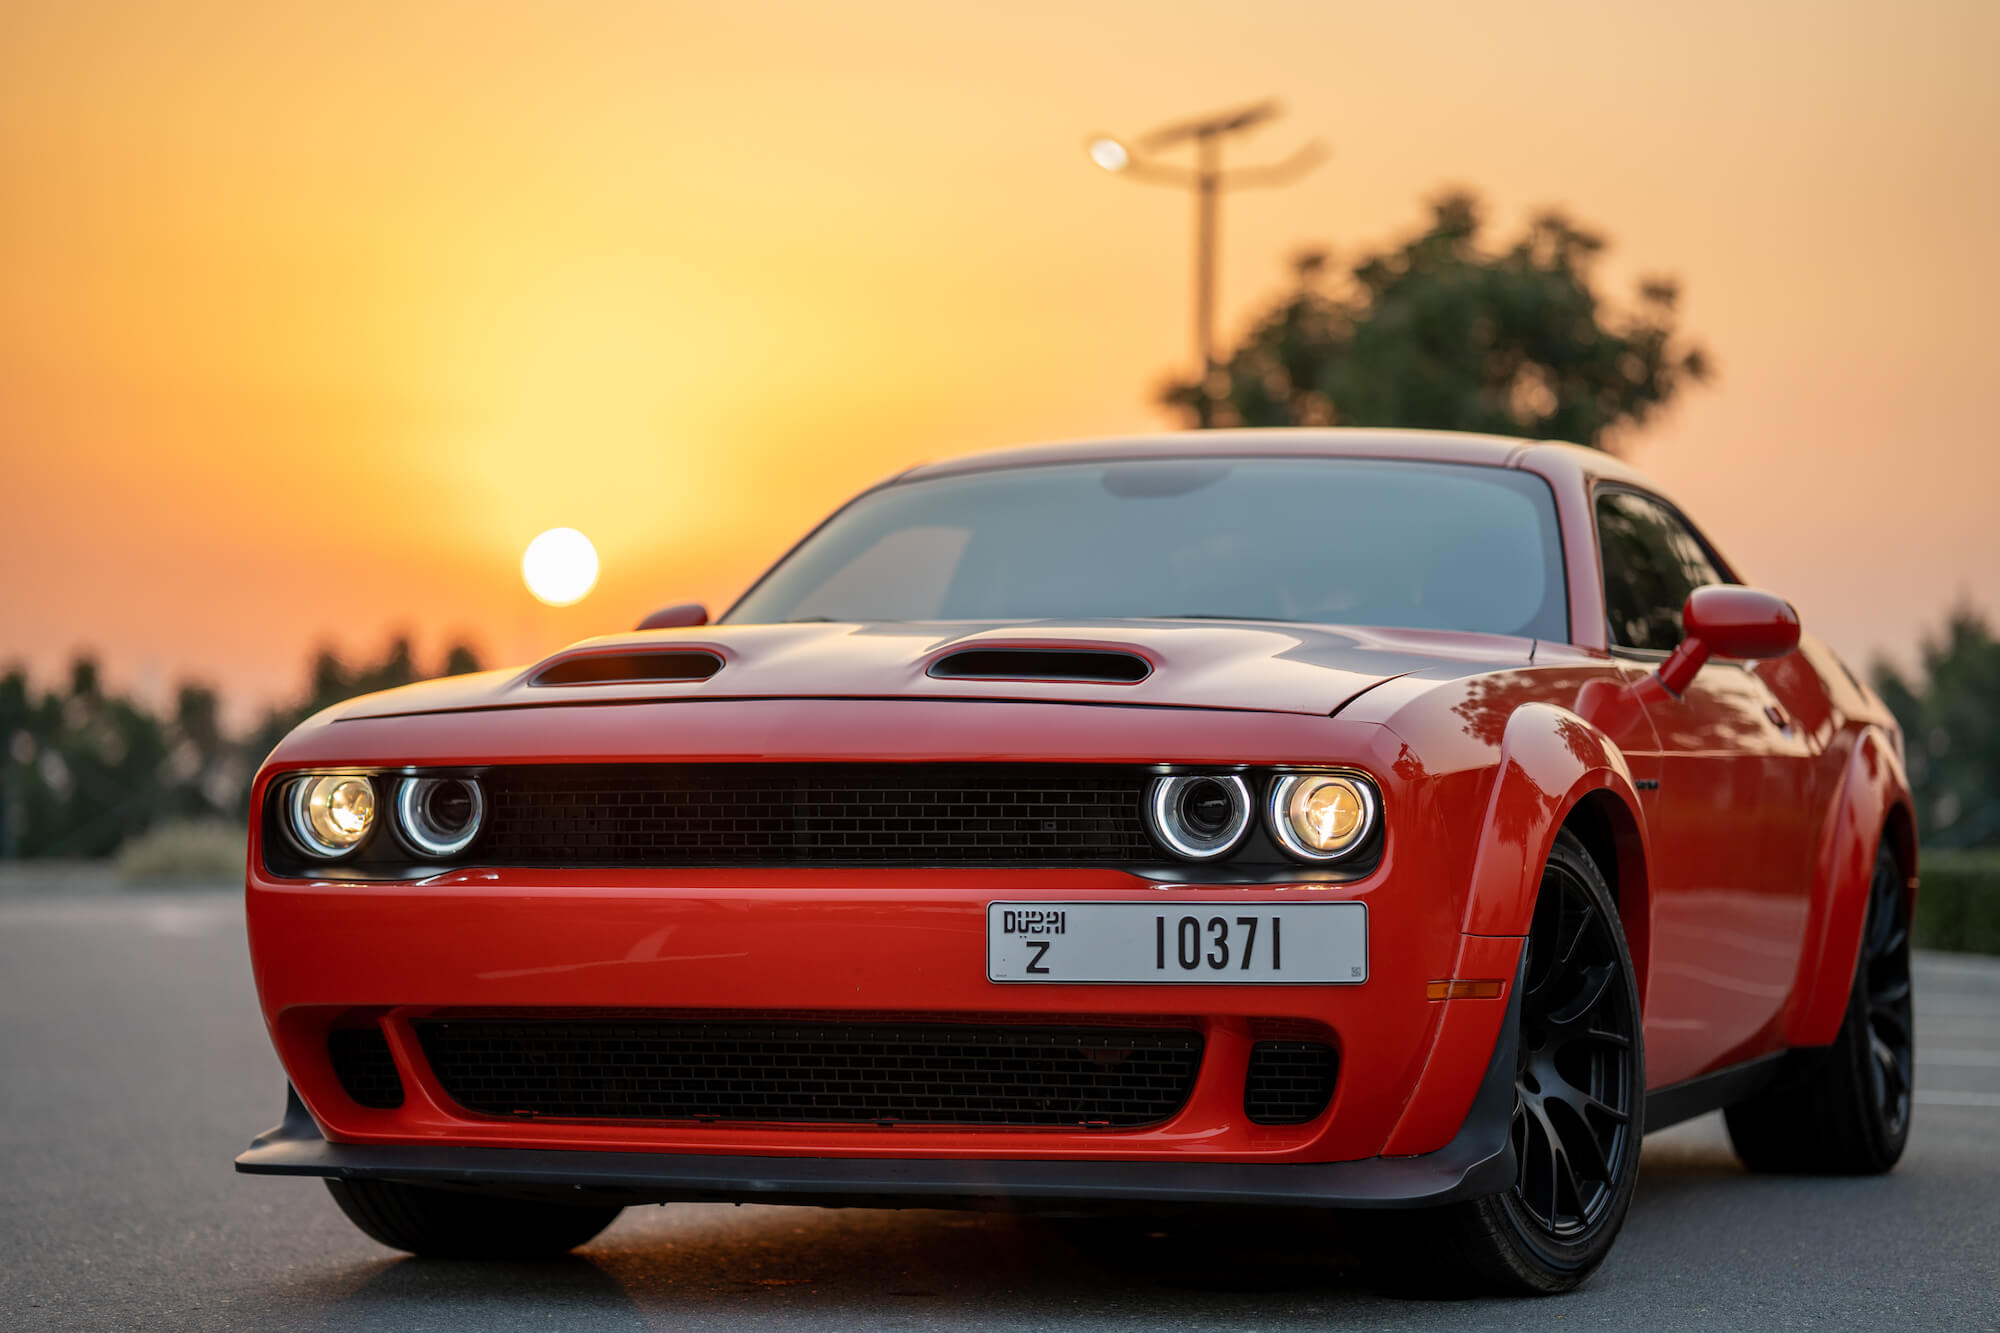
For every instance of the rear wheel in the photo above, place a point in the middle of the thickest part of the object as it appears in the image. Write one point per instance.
(1578, 1112)
(1845, 1109)
(458, 1224)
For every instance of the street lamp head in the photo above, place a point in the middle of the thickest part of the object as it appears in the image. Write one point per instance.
(1108, 153)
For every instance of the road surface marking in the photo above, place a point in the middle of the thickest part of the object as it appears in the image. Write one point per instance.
(1991, 1099)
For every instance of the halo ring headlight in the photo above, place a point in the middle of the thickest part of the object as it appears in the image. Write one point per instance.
(439, 817)
(1199, 816)
(330, 814)
(1321, 816)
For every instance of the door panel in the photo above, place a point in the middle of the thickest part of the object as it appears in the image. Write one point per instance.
(1730, 914)
(1729, 821)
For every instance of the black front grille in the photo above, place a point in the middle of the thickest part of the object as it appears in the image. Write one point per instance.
(808, 814)
(813, 1072)
(366, 1070)
(1290, 1082)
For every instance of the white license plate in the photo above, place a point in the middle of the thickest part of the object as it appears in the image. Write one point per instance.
(1208, 943)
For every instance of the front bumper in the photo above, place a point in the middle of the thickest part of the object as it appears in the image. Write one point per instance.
(902, 946)
(1479, 1160)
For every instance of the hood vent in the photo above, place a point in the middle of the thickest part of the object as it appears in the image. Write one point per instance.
(628, 668)
(1092, 664)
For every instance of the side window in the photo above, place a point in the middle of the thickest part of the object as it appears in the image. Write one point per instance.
(1651, 563)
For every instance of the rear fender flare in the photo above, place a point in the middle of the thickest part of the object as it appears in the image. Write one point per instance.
(1873, 791)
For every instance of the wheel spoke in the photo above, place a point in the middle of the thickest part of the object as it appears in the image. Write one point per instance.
(1557, 1170)
(1558, 1167)
(1892, 994)
(1536, 1166)
(1586, 1102)
(1893, 1077)
(1590, 988)
(1581, 1104)
(1878, 1075)
(1617, 1039)
(1566, 1181)
(1894, 1019)
(1584, 916)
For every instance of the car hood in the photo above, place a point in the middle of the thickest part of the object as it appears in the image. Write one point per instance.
(1261, 666)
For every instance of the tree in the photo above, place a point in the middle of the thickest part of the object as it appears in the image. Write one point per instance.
(1440, 333)
(1950, 715)
(82, 769)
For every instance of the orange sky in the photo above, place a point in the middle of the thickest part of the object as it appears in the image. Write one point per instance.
(311, 316)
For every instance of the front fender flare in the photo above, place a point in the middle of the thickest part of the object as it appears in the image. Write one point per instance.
(1550, 760)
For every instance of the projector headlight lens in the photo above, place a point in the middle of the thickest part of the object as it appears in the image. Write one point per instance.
(332, 813)
(439, 817)
(1198, 817)
(1321, 816)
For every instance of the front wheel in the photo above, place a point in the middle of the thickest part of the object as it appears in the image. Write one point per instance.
(460, 1224)
(1579, 1109)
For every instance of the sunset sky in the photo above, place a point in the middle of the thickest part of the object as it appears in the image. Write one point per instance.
(312, 316)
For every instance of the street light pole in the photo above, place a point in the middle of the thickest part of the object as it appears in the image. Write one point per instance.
(1207, 189)
(1208, 181)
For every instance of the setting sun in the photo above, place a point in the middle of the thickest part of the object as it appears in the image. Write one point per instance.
(560, 566)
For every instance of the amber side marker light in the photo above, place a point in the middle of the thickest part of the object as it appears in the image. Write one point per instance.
(1464, 990)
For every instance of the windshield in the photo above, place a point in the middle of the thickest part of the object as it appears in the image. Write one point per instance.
(1330, 540)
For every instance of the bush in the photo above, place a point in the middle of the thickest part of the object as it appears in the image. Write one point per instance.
(1958, 901)
(182, 851)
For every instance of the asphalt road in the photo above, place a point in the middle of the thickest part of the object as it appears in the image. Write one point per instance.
(133, 1066)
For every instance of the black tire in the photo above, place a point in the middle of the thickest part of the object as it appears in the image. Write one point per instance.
(460, 1224)
(1844, 1109)
(1579, 1112)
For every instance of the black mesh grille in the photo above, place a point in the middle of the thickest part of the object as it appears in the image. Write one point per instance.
(916, 1073)
(804, 814)
(1290, 1082)
(366, 1070)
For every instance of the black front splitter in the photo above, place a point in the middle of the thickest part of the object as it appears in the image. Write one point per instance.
(296, 1148)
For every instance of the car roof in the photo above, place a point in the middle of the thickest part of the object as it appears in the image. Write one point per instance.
(1432, 446)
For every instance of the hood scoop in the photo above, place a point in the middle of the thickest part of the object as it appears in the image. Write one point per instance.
(628, 668)
(1097, 665)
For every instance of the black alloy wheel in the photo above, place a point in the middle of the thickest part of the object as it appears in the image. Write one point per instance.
(1844, 1109)
(1885, 981)
(1579, 1113)
(1577, 1078)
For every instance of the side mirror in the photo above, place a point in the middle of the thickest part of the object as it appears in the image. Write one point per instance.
(682, 615)
(1728, 621)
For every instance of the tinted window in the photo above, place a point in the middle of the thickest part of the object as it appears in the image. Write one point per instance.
(1651, 564)
(1347, 541)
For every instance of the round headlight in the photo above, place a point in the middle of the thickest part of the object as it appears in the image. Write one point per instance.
(439, 817)
(1199, 817)
(1321, 816)
(332, 813)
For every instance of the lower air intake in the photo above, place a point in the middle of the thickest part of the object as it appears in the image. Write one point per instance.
(1290, 1082)
(905, 1074)
(366, 1070)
